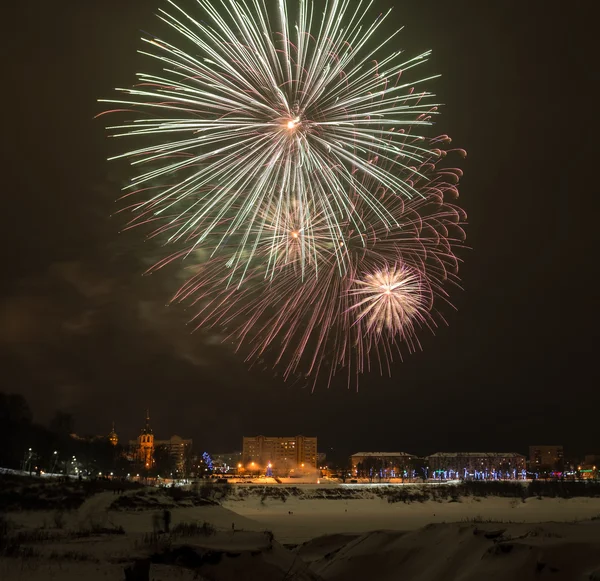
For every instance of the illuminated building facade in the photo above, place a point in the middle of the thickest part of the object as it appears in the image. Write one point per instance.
(112, 436)
(477, 465)
(546, 458)
(589, 468)
(143, 447)
(381, 464)
(284, 455)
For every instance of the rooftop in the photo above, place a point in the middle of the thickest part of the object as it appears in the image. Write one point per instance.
(278, 437)
(382, 454)
(474, 454)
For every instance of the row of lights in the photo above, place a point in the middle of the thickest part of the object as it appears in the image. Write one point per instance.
(269, 465)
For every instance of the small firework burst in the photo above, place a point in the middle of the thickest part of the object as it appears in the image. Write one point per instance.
(389, 299)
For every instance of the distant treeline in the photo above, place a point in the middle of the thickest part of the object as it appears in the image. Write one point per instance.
(423, 493)
(52, 447)
(32, 493)
(535, 488)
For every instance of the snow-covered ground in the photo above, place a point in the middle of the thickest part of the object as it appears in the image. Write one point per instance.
(462, 552)
(421, 541)
(306, 515)
(240, 552)
(94, 512)
(299, 519)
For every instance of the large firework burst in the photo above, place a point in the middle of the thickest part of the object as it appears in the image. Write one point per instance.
(249, 120)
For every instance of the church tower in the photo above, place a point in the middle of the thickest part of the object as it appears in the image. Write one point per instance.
(112, 436)
(146, 445)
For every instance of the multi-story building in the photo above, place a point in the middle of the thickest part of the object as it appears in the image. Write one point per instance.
(179, 450)
(279, 455)
(546, 458)
(382, 464)
(482, 465)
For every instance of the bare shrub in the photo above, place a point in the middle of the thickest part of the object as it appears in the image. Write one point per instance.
(72, 556)
(5, 527)
(192, 529)
(59, 519)
(96, 529)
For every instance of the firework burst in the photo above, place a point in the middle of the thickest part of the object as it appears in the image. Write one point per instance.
(288, 161)
(250, 123)
(390, 298)
(322, 323)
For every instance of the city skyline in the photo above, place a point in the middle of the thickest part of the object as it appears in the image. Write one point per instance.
(534, 453)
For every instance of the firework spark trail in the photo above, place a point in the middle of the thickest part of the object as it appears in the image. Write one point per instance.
(321, 324)
(251, 122)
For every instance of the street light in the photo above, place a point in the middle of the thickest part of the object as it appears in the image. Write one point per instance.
(55, 455)
(29, 458)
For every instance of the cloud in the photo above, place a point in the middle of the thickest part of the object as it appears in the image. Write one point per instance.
(82, 324)
(64, 300)
(88, 283)
(94, 337)
(25, 319)
(169, 326)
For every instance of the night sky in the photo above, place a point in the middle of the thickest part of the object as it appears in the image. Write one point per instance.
(82, 331)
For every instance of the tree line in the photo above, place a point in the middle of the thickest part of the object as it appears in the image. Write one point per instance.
(27, 445)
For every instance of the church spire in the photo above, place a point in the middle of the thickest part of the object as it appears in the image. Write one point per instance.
(147, 429)
(112, 437)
